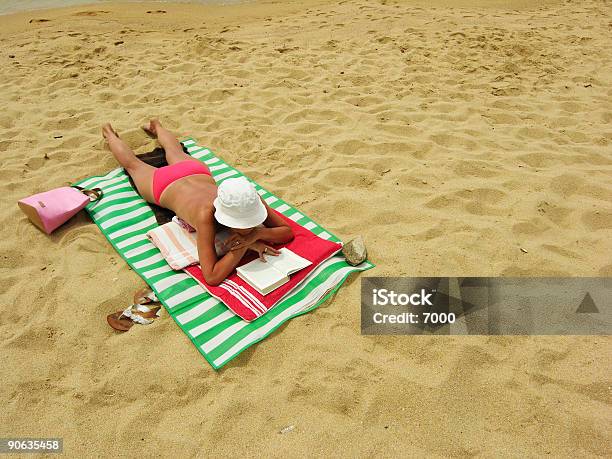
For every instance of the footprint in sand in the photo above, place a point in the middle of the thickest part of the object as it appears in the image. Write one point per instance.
(90, 13)
(36, 163)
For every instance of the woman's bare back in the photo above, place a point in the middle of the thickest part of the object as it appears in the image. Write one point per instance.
(190, 197)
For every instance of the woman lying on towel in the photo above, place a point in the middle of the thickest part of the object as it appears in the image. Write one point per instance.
(187, 188)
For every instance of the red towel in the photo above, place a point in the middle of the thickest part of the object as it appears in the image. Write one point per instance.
(247, 302)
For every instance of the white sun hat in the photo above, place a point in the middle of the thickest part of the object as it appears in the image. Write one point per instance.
(238, 205)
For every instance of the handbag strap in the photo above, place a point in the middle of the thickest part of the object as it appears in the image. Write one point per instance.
(96, 192)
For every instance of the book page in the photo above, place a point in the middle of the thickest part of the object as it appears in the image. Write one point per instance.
(288, 262)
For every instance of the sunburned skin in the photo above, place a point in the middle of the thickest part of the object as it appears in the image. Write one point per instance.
(191, 198)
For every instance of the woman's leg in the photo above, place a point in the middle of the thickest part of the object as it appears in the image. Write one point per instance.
(168, 141)
(141, 172)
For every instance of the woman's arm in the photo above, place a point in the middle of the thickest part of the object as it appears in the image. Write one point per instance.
(275, 230)
(215, 270)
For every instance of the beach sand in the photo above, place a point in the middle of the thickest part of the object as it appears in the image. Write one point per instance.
(460, 138)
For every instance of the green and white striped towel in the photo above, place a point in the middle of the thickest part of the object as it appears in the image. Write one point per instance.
(218, 334)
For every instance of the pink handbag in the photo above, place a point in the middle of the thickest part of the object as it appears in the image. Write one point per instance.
(50, 209)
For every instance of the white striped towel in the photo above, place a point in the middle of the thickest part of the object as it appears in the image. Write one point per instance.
(178, 246)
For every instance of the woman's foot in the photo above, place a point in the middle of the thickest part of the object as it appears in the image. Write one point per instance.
(108, 131)
(151, 129)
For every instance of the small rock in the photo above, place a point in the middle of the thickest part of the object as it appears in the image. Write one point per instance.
(355, 251)
(120, 42)
(11, 56)
(287, 429)
(43, 268)
(58, 136)
(523, 250)
(46, 156)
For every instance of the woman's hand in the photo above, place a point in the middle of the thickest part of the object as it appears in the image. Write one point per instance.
(237, 242)
(262, 249)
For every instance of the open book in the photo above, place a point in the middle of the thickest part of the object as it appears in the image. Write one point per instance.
(267, 276)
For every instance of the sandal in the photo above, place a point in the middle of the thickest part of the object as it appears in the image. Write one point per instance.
(145, 296)
(137, 313)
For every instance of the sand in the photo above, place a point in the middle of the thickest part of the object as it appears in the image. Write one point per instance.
(15, 6)
(458, 137)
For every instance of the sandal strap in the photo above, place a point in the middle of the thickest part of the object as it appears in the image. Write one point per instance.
(146, 296)
(152, 296)
(141, 308)
(135, 317)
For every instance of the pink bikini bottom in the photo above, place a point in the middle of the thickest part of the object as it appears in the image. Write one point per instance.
(164, 176)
